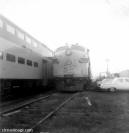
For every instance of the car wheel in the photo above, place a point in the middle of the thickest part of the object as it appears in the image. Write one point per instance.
(112, 89)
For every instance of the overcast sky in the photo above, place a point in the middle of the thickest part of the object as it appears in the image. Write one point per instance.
(100, 25)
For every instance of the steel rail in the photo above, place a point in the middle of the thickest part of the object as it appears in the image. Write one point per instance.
(8, 103)
(16, 107)
(52, 112)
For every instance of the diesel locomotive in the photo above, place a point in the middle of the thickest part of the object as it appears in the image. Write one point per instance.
(71, 68)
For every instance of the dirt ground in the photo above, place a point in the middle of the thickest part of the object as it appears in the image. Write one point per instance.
(91, 112)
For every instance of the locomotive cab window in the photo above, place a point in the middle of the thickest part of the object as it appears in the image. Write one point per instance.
(21, 60)
(35, 64)
(10, 57)
(29, 62)
(1, 55)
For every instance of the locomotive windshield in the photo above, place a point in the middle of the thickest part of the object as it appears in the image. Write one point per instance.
(73, 47)
(61, 48)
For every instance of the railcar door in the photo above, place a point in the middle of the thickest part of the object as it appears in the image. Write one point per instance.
(45, 72)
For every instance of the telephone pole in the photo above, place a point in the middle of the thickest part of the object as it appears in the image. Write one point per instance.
(107, 69)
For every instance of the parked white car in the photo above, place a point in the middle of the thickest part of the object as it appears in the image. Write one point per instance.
(121, 83)
(103, 82)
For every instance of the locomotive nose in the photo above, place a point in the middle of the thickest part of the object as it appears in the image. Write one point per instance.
(68, 52)
(68, 81)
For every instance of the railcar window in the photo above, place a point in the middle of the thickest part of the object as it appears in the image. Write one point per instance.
(10, 29)
(21, 60)
(1, 23)
(1, 55)
(28, 40)
(34, 43)
(20, 34)
(29, 62)
(35, 64)
(10, 57)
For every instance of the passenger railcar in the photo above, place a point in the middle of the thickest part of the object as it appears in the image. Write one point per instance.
(24, 61)
(71, 68)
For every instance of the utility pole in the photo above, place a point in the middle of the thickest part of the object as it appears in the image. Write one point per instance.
(107, 71)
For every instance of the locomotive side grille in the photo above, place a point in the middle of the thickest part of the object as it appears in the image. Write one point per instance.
(83, 60)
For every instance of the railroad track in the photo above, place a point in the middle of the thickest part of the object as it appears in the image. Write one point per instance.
(51, 113)
(16, 107)
(22, 99)
(19, 100)
(32, 116)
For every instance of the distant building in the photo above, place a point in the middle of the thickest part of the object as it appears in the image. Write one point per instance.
(124, 73)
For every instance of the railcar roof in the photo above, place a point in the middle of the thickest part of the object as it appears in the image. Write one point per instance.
(5, 20)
